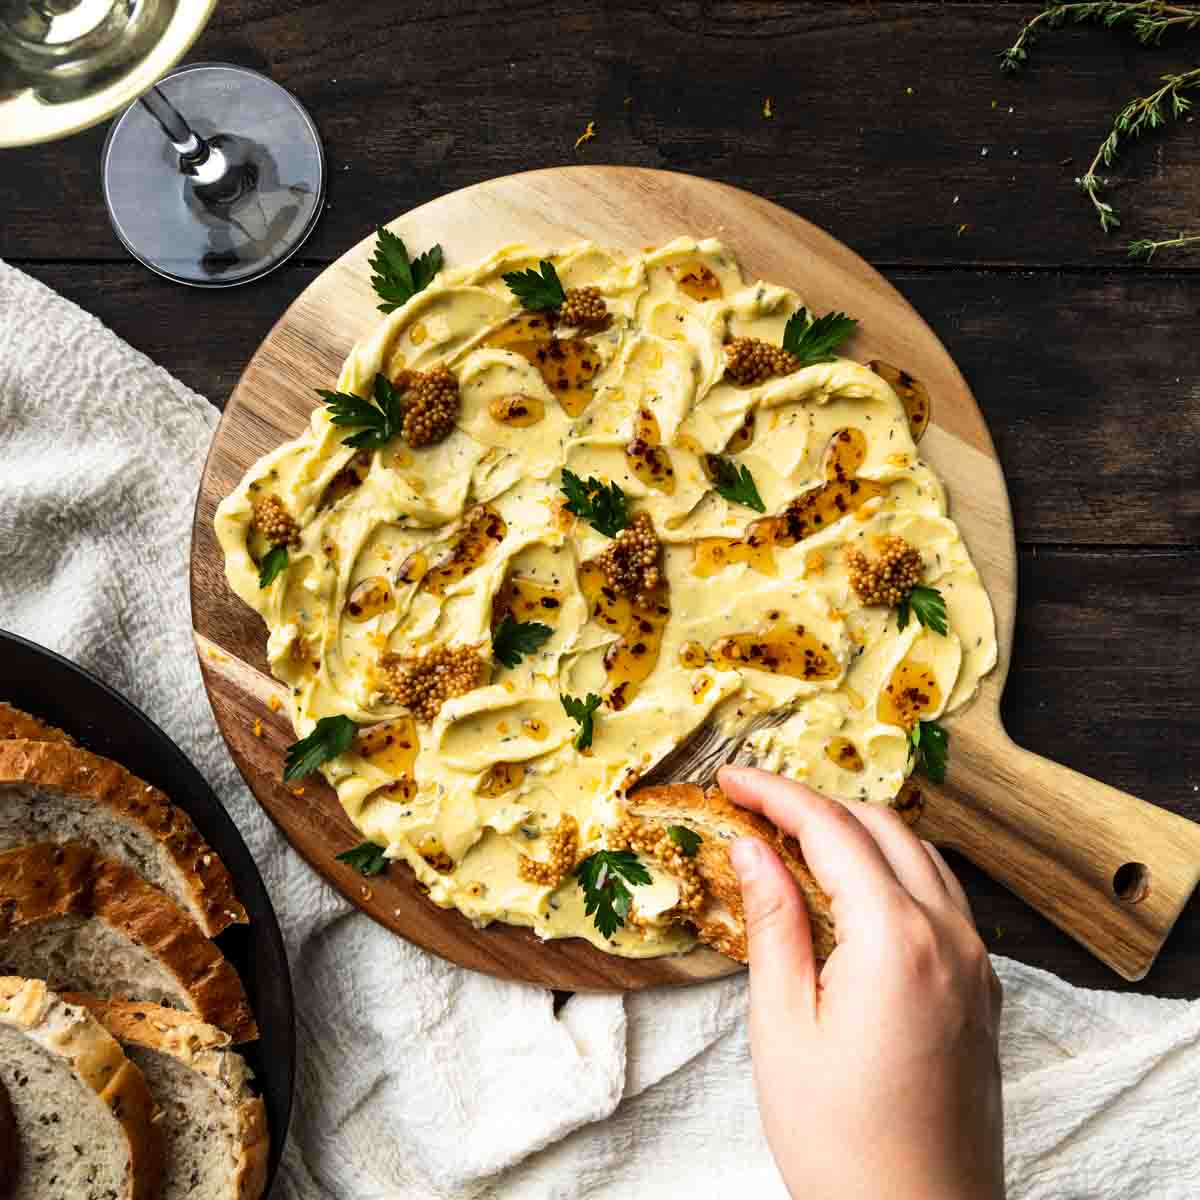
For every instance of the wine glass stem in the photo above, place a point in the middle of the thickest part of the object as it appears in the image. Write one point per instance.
(191, 149)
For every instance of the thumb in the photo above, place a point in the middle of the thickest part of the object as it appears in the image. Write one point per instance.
(783, 969)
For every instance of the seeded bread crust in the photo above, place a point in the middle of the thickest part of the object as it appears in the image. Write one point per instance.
(72, 1034)
(721, 923)
(14, 723)
(203, 884)
(205, 1050)
(42, 882)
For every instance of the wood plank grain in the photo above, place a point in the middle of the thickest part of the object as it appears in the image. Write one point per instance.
(893, 127)
(1082, 377)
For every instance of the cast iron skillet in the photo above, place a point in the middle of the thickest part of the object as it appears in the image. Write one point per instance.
(49, 686)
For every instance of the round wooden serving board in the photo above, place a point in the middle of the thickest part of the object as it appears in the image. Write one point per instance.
(1066, 843)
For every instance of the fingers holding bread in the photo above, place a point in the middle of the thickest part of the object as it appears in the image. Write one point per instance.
(721, 922)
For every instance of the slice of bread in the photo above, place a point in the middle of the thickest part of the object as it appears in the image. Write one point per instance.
(89, 924)
(53, 791)
(14, 723)
(85, 1119)
(721, 923)
(214, 1128)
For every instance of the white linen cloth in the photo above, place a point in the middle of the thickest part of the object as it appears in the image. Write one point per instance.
(416, 1078)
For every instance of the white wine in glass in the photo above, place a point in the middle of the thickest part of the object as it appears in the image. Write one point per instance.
(213, 177)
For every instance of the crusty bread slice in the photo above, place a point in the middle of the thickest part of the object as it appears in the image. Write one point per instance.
(15, 723)
(52, 791)
(214, 1128)
(85, 1119)
(721, 923)
(89, 924)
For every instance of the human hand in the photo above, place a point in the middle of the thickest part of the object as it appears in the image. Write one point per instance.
(878, 1074)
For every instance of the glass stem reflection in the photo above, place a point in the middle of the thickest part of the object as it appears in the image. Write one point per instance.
(192, 150)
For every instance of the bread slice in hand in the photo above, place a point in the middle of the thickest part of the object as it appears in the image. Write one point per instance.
(721, 923)
(53, 791)
(16, 723)
(214, 1128)
(84, 1116)
(89, 924)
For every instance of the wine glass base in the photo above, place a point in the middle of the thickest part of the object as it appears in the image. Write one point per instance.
(174, 227)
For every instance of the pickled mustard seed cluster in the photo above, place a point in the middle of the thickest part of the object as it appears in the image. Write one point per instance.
(630, 563)
(583, 308)
(653, 841)
(888, 579)
(751, 360)
(431, 405)
(564, 851)
(274, 521)
(423, 683)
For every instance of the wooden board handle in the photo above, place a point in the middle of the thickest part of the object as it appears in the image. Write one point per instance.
(1109, 869)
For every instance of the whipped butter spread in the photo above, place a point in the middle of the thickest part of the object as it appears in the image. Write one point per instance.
(753, 629)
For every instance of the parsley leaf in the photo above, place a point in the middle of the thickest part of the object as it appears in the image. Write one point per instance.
(397, 279)
(603, 877)
(381, 421)
(688, 840)
(927, 606)
(366, 858)
(274, 561)
(331, 737)
(534, 290)
(582, 711)
(736, 485)
(931, 745)
(815, 341)
(602, 505)
(514, 639)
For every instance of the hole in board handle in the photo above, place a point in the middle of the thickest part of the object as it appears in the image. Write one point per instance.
(1131, 882)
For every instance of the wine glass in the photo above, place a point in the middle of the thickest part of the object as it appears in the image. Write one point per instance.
(215, 176)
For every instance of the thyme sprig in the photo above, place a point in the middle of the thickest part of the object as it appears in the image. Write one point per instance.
(1139, 116)
(1144, 249)
(1149, 21)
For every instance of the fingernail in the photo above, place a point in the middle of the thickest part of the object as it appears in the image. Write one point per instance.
(746, 856)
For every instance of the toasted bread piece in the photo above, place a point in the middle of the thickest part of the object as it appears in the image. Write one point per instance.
(89, 924)
(53, 791)
(214, 1128)
(721, 923)
(14, 723)
(84, 1116)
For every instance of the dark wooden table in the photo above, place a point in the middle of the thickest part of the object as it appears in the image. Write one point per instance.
(893, 129)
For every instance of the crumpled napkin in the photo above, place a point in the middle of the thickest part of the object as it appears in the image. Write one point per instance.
(417, 1078)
